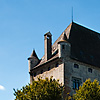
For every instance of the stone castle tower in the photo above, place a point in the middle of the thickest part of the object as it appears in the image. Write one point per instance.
(73, 57)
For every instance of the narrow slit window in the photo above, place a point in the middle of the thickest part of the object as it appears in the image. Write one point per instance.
(90, 70)
(76, 66)
(63, 46)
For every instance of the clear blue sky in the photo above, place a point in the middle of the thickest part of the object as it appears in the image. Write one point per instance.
(22, 26)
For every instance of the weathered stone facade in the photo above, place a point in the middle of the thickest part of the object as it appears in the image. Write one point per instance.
(72, 58)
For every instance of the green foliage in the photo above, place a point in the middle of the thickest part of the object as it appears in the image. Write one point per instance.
(68, 97)
(42, 89)
(88, 91)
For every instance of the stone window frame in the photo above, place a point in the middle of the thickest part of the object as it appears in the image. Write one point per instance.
(76, 65)
(31, 61)
(90, 70)
(76, 82)
(63, 47)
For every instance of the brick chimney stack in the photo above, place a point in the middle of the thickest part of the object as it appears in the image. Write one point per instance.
(48, 45)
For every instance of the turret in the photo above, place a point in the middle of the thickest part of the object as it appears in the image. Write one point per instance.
(64, 47)
(33, 60)
(48, 45)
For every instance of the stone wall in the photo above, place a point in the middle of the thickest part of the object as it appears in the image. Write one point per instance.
(81, 73)
(56, 71)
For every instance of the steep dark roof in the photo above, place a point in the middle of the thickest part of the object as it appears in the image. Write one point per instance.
(42, 62)
(64, 39)
(85, 44)
(33, 54)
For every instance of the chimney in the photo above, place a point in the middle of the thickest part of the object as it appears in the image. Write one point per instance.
(48, 45)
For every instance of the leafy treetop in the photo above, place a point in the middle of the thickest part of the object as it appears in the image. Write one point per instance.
(88, 91)
(42, 89)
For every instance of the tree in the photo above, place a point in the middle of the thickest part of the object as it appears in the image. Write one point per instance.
(42, 89)
(88, 91)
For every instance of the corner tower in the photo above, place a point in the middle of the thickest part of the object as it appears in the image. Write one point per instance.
(64, 47)
(33, 61)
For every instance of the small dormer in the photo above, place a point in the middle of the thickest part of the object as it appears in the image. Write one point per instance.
(64, 47)
(33, 60)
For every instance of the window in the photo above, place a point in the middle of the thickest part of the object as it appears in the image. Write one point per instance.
(76, 66)
(76, 83)
(41, 71)
(48, 68)
(63, 46)
(34, 74)
(90, 70)
(31, 62)
(57, 64)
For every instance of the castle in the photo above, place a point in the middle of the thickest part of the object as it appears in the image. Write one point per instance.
(73, 58)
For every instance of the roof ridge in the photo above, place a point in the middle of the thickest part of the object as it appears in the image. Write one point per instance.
(86, 27)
